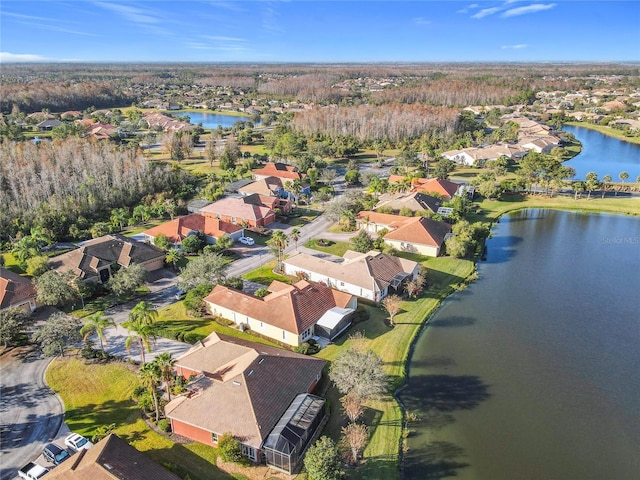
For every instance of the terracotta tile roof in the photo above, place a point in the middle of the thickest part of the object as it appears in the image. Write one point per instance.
(279, 170)
(111, 459)
(102, 251)
(414, 201)
(14, 288)
(364, 270)
(180, 227)
(293, 308)
(236, 207)
(420, 230)
(430, 185)
(389, 220)
(247, 391)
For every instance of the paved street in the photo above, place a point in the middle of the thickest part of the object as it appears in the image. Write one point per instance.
(32, 415)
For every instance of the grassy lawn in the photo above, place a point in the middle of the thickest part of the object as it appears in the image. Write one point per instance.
(381, 459)
(491, 210)
(332, 247)
(611, 132)
(265, 275)
(100, 394)
(11, 263)
(174, 319)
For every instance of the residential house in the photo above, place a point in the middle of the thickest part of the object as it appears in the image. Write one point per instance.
(16, 291)
(407, 234)
(371, 275)
(48, 124)
(110, 459)
(289, 314)
(258, 393)
(414, 201)
(239, 212)
(179, 228)
(286, 174)
(269, 187)
(479, 156)
(93, 260)
(444, 188)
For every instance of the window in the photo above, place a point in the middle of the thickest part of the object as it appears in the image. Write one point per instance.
(342, 284)
(283, 334)
(214, 437)
(248, 451)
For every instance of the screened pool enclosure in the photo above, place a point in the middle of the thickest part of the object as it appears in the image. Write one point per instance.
(288, 440)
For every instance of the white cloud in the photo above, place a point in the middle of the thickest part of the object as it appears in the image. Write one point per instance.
(533, 8)
(134, 15)
(422, 21)
(470, 7)
(485, 12)
(514, 47)
(7, 57)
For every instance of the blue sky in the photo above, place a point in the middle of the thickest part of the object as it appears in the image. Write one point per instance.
(318, 31)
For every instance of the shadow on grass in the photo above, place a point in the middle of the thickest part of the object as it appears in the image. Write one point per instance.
(183, 462)
(90, 416)
(379, 467)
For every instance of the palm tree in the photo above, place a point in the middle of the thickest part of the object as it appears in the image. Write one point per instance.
(277, 244)
(606, 181)
(295, 236)
(174, 256)
(623, 176)
(141, 334)
(165, 363)
(150, 377)
(97, 323)
(144, 313)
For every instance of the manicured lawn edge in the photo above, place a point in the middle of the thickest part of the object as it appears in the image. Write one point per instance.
(608, 131)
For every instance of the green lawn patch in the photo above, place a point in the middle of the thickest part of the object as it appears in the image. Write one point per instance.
(328, 246)
(265, 275)
(96, 394)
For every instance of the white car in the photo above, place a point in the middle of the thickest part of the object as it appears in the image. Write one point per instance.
(247, 240)
(77, 442)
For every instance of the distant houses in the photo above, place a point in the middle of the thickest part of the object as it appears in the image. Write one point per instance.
(371, 275)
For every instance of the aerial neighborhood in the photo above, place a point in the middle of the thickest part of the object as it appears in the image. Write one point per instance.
(244, 298)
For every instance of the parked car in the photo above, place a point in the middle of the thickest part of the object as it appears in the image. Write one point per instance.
(77, 442)
(247, 240)
(32, 471)
(180, 294)
(54, 454)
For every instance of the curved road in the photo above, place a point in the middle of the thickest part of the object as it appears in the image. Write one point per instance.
(30, 412)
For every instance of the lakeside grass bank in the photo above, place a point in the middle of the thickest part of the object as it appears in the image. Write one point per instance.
(608, 131)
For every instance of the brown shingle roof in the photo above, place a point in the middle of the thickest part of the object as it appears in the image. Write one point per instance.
(247, 391)
(100, 252)
(264, 186)
(110, 459)
(412, 200)
(293, 308)
(361, 269)
(178, 228)
(14, 288)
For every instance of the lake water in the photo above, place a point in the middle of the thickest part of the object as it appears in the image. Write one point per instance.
(212, 120)
(533, 372)
(604, 155)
